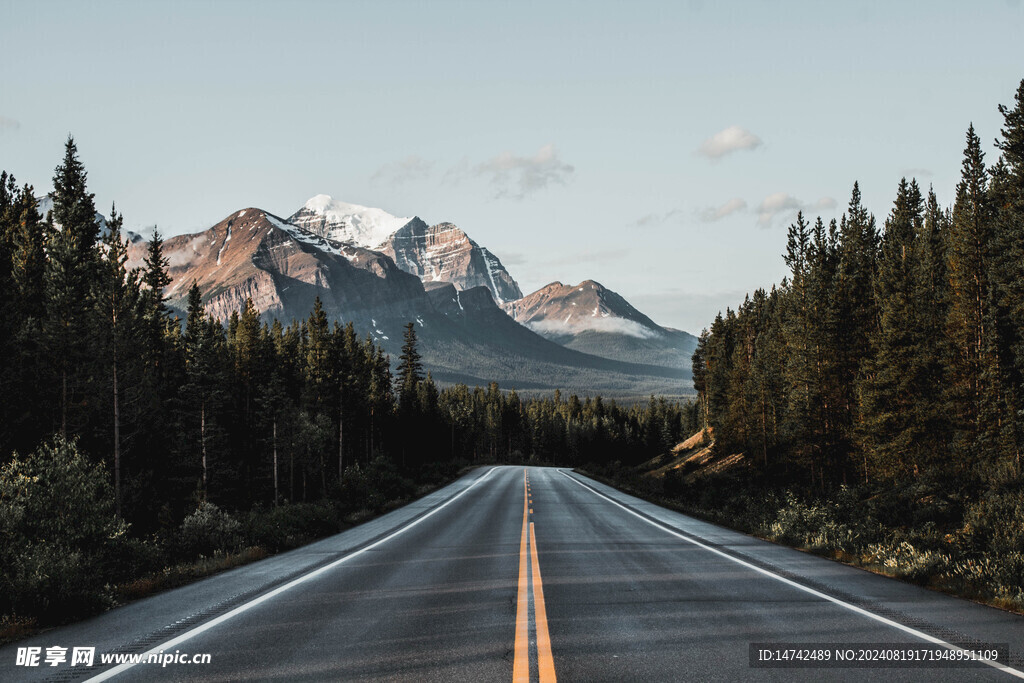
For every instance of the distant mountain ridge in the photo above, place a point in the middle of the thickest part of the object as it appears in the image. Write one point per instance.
(441, 252)
(559, 309)
(445, 253)
(465, 336)
(591, 318)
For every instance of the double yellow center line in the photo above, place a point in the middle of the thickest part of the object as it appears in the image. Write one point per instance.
(528, 560)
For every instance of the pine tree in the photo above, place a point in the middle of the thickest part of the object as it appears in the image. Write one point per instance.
(202, 395)
(8, 306)
(932, 312)
(155, 275)
(1007, 200)
(318, 371)
(856, 313)
(894, 385)
(28, 258)
(22, 260)
(118, 323)
(68, 282)
(250, 371)
(800, 387)
(969, 252)
(380, 398)
(767, 384)
(74, 211)
(410, 370)
(345, 353)
(274, 402)
(699, 366)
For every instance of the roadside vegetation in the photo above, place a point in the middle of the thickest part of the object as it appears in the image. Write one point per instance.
(871, 406)
(67, 555)
(920, 532)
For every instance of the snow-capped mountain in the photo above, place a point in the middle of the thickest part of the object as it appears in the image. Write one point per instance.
(558, 309)
(362, 226)
(445, 253)
(464, 335)
(591, 318)
(254, 254)
(434, 253)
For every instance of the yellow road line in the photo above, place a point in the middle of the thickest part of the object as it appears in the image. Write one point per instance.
(521, 662)
(545, 663)
(528, 560)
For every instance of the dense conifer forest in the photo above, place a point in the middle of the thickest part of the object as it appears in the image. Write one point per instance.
(877, 393)
(891, 352)
(132, 438)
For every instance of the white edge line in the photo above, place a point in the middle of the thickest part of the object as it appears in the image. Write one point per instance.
(853, 608)
(187, 635)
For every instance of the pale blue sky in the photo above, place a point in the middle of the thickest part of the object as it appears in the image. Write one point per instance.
(564, 136)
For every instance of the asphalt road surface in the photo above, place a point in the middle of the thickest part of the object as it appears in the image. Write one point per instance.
(539, 574)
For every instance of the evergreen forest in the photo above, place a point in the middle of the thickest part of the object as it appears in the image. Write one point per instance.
(877, 393)
(134, 439)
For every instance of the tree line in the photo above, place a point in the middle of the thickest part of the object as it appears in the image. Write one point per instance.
(181, 408)
(889, 354)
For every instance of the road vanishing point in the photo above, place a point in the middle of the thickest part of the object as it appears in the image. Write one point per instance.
(532, 574)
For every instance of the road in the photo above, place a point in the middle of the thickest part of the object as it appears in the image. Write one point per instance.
(515, 573)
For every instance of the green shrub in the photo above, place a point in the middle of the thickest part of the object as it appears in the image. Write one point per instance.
(371, 487)
(209, 530)
(995, 524)
(823, 526)
(291, 525)
(909, 562)
(133, 557)
(59, 531)
(1002, 577)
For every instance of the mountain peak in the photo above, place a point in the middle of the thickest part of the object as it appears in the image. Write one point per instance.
(363, 226)
(557, 309)
(445, 253)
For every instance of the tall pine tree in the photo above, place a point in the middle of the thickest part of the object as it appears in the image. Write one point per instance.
(71, 269)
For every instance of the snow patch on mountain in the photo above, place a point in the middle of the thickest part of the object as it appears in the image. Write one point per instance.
(363, 226)
(630, 328)
(300, 235)
(225, 245)
(490, 262)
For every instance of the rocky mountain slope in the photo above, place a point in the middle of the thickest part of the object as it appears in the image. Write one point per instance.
(254, 254)
(465, 336)
(444, 253)
(591, 318)
(434, 253)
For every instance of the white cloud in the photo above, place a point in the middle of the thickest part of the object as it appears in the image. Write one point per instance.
(782, 205)
(775, 204)
(729, 140)
(7, 123)
(516, 176)
(714, 213)
(408, 169)
(656, 218)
